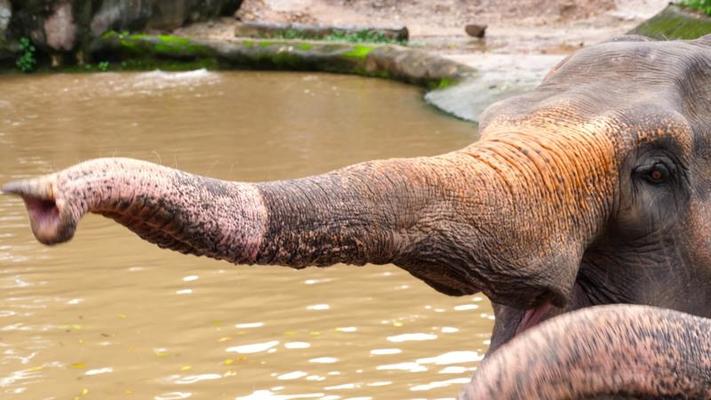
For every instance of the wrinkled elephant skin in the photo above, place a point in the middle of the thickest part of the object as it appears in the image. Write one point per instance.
(595, 188)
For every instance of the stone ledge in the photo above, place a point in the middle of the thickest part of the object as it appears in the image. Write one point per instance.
(385, 61)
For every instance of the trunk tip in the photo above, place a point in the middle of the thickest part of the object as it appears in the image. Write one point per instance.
(51, 223)
(39, 188)
(12, 187)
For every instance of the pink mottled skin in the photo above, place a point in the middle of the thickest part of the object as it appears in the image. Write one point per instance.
(592, 189)
(629, 350)
(162, 205)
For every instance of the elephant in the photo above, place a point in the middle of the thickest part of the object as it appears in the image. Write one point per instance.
(583, 213)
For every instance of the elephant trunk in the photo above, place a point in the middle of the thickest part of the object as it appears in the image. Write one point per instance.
(356, 216)
(628, 350)
(509, 216)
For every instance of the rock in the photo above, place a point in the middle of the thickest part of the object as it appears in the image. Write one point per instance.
(71, 25)
(6, 51)
(475, 30)
(59, 28)
(388, 61)
(306, 31)
(5, 15)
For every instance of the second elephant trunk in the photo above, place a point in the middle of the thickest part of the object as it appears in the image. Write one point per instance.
(617, 350)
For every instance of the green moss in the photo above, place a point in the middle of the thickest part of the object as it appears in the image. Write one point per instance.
(443, 83)
(675, 23)
(305, 46)
(166, 45)
(359, 52)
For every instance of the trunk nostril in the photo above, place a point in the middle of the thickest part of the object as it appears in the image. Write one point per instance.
(42, 211)
(49, 220)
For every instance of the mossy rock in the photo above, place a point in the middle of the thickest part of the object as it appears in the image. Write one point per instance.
(139, 51)
(675, 22)
(146, 46)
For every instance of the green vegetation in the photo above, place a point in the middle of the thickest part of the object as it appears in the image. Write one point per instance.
(701, 5)
(26, 62)
(442, 83)
(161, 45)
(675, 23)
(359, 51)
(166, 52)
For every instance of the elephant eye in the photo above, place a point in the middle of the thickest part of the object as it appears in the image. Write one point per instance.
(656, 174)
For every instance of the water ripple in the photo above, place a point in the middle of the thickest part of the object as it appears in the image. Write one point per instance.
(252, 348)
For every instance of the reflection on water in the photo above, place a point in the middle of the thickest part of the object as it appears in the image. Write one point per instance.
(109, 316)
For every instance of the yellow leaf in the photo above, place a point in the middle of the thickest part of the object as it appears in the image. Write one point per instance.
(78, 365)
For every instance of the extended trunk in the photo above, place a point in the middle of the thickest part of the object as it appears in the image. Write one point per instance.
(509, 216)
(619, 350)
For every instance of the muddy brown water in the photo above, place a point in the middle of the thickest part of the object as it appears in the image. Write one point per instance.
(108, 316)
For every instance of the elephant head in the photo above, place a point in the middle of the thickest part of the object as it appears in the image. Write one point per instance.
(592, 189)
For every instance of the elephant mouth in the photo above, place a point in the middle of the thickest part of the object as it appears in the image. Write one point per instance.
(533, 316)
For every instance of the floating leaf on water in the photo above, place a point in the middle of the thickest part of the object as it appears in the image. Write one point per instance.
(230, 372)
(78, 365)
(228, 361)
(84, 391)
(224, 339)
(122, 316)
(314, 333)
(186, 368)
